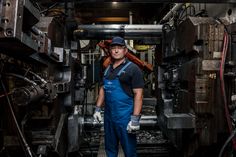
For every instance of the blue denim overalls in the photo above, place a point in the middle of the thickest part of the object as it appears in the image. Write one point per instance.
(118, 109)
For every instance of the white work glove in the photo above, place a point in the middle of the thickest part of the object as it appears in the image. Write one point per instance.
(97, 114)
(133, 125)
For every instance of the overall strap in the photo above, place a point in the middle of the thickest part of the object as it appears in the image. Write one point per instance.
(121, 70)
(105, 73)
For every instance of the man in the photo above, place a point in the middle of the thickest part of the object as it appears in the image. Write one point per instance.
(122, 91)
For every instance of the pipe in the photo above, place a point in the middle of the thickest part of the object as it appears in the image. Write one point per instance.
(130, 17)
(131, 42)
(144, 121)
(148, 121)
(171, 12)
(109, 31)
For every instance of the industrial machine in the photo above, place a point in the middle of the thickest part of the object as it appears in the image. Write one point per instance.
(196, 86)
(51, 66)
(49, 83)
(36, 82)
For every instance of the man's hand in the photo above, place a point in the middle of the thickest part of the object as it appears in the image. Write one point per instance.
(97, 114)
(133, 125)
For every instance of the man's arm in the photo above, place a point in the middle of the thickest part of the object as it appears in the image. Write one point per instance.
(133, 124)
(100, 98)
(138, 101)
(97, 113)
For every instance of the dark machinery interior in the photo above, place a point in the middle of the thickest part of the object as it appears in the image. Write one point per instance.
(53, 53)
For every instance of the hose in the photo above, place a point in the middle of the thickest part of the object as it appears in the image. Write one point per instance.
(37, 76)
(226, 143)
(23, 78)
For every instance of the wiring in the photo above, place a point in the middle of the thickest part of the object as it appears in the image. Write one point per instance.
(26, 146)
(3, 95)
(222, 64)
(222, 84)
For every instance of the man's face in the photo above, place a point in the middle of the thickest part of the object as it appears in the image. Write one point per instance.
(118, 52)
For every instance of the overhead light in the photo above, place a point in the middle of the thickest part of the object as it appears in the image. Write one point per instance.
(114, 3)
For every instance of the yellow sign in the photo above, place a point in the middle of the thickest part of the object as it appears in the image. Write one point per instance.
(141, 47)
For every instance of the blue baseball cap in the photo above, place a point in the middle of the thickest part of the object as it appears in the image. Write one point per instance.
(117, 41)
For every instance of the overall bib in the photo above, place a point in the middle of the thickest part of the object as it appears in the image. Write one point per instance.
(118, 109)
